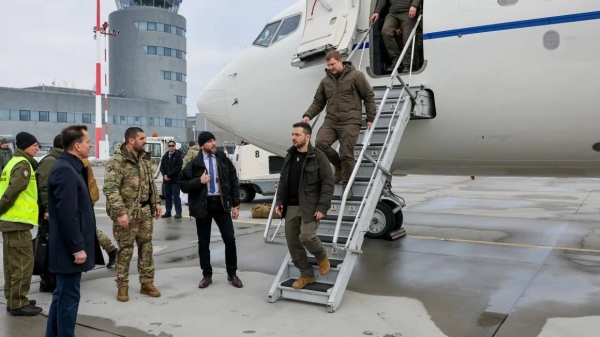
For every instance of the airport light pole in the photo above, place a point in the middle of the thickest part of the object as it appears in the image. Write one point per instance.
(100, 30)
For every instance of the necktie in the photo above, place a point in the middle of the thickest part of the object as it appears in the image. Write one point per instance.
(211, 172)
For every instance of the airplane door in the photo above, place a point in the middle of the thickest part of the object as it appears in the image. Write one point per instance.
(329, 25)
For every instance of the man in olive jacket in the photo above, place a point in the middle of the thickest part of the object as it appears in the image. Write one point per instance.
(18, 215)
(6, 153)
(343, 91)
(303, 198)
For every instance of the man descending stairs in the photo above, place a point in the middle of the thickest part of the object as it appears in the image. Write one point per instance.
(303, 198)
(350, 213)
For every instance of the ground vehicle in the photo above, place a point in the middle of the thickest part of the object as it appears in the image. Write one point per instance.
(257, 169)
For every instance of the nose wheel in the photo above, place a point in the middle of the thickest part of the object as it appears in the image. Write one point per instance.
(382, 222)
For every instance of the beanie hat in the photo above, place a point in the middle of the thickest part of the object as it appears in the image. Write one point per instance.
(25, 140)
(58, 141)
(204, 137)
(3, 141)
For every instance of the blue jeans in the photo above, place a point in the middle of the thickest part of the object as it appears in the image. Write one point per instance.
(172, 192)
(65, 303)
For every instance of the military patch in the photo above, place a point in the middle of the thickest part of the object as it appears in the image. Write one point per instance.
(26, 174)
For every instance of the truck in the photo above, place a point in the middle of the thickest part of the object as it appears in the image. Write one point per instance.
(257, 170)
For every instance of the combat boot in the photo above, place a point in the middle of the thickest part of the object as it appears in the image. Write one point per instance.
(350, 193)
(149, 289)
(303, 282)
(123, 295)
(324, 265)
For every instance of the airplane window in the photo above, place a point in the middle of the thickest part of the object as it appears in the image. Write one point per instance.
(287, 27)
(264, 39)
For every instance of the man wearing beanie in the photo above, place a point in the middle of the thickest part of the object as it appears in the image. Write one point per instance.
(210, 179)
(5, 153)
(18, 215)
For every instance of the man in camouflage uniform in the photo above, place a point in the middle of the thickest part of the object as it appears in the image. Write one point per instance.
(190, 154)
(131, 201)
(6, 153)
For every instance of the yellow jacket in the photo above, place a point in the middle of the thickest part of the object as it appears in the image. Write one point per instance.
(92, 185)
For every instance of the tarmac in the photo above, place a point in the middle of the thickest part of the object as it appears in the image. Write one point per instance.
(485, 257)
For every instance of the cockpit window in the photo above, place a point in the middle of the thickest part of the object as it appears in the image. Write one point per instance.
(288, 26)
(265, 37)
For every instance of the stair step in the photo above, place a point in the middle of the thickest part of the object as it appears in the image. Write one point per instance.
(358, 188)
(378, 136)
(350, 209)
(330, 277)
(317, 286)
(333, 262)
(329, 238)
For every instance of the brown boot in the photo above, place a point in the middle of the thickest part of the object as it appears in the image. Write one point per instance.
(123, 295)
(324, 264)
(149, 289)
(303, 281)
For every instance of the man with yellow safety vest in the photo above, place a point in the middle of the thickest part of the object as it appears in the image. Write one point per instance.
(18, 215)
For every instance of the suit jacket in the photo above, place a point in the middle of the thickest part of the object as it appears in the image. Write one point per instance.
(171, 167)
(72, 219)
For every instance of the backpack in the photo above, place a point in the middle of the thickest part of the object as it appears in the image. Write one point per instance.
(261, 211)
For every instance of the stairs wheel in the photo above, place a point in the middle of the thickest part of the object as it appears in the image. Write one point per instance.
(247, 193)
(382, 223)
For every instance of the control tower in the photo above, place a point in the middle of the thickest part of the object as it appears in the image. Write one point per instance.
(148, 58)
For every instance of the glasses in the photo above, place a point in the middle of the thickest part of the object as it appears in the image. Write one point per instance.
(171, 145)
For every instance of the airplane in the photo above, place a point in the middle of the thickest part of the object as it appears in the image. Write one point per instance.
(514, 84)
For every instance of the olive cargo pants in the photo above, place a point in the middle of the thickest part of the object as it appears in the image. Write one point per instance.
(17, 251)
(391, 23)
(347, 135)
(300, 235)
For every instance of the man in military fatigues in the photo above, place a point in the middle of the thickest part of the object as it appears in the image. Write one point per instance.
(131, 201)
(343, 91)
(5, 153)
(18, 215)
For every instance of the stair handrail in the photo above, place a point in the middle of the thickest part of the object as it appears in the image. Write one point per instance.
(274, 202)
(362, 40)
(367, 138)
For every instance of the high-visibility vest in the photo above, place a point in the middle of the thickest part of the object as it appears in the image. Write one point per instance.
(25, 209)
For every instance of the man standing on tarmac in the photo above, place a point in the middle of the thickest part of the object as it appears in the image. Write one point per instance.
(343, 91)
(48, 280)
(303, 198)
(170, 167)
(131, 201)
(18, 215)
(5, 153)
(211, 181)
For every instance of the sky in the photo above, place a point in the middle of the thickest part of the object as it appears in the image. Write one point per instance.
(45, 41)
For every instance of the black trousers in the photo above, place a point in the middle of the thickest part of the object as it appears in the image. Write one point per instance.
(47, 279)
(223, 219)
(62, 315)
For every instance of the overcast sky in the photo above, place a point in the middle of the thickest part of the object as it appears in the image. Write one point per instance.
(47, 40)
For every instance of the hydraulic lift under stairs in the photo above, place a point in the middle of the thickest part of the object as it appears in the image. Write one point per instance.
(343, 230)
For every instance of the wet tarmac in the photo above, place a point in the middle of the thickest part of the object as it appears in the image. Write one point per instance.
(484, 257)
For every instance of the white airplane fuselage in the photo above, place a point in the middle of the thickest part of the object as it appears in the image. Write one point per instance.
(506, 104)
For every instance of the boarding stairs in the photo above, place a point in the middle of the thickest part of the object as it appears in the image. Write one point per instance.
(343, 230)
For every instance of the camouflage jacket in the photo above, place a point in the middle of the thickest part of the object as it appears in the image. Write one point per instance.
(192, 152)
(128, 182)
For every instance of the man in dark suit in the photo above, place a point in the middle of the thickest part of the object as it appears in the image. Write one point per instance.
(73, 245)
(213, 187)
(170, 167)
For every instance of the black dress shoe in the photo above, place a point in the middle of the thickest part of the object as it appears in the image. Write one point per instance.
(166, 215)
(112, 258)
(32, 302)
(235, 281)
(205, 282)
(177, 216)
(28, 310)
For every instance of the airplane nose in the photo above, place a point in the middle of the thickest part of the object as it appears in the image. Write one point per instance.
(211, 103)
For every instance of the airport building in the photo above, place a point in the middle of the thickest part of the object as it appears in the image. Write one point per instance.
(147, 82)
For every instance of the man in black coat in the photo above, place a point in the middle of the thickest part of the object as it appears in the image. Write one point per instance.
(73, 245)
(211, 181)
(170, 167)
